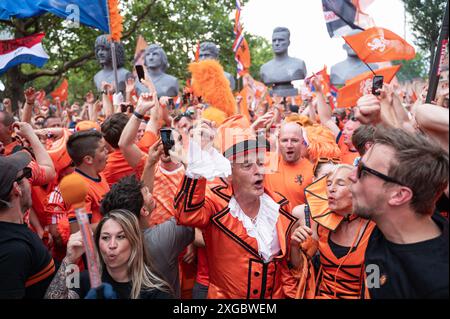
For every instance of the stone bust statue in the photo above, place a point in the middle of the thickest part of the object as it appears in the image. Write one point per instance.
(156, 62)
(349, 68)
(104, 58)
(283, 69)
(209, 51)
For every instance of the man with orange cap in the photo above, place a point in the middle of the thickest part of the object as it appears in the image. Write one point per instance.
(246, 228)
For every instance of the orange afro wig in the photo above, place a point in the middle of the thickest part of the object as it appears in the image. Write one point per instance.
(301, 120)
(321, 143)
(209, 82)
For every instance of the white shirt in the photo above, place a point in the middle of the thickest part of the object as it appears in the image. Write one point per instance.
(265, 229)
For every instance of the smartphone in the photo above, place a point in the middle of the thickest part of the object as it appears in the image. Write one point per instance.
(167, 140)
(124, 108)
(140, 72)
(378, 82)
(171, 104)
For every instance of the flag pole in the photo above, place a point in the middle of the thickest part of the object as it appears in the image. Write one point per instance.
(113, 49)
(114, 63)
(435, 71)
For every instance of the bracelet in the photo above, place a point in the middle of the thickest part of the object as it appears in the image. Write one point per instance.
(139, 116)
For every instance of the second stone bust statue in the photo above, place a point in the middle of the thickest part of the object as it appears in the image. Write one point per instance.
(283, 69)
(156, 62)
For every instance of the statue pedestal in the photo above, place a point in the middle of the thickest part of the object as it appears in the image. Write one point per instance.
(283, 90)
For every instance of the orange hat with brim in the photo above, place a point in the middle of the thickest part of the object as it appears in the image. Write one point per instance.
(58, 153)
(87, 126)
(235, 138)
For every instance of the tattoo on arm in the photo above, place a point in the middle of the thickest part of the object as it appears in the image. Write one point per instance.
(58, 287)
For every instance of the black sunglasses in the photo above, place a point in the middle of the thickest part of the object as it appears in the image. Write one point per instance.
(363, 168)
(27, 173)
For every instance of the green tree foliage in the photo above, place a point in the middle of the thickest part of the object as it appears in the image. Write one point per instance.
(176, 25)
(426, 22)
(414, 69)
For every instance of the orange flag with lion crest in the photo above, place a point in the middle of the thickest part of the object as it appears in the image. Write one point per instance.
(361, 85)
(380, 45)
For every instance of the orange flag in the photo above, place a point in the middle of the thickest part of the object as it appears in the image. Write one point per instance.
(197, 53)
(380, 45)
(115, 20)
(62, 91)
(361, 85)
(243, 58)
(139, 53)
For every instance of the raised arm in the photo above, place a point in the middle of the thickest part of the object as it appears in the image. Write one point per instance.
(42, 157)
(324, 110)
(129, 149)
(108, 107)
(154, 154)
(58, 287)
(434, 121)
(30, 100)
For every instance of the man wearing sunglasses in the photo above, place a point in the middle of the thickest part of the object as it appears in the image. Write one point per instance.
(26, 267)
(397, 185)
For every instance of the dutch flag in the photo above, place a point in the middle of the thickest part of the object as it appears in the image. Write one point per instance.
(24, 50)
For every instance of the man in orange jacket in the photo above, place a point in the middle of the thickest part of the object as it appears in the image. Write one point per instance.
(246, 228)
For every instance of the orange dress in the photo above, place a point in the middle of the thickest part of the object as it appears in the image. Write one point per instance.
(341, 277)
(236, 269)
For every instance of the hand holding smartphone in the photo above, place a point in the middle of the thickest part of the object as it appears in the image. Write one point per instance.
(378, 82)
(140, 72)
(124, 108)
(167, 140)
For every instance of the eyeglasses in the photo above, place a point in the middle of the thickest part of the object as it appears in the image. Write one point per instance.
(363, 168)
(27, 173)
(188, 114)
(325, 160)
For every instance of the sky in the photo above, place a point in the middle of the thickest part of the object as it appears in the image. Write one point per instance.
(309, 36)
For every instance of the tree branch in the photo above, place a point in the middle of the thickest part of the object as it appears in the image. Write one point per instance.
(141, 17)
(68, 65)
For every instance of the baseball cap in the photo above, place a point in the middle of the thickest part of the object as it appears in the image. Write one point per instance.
(10, 166)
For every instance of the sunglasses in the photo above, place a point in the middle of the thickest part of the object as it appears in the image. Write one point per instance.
(325, 160)
(363, 168)
(27, 173)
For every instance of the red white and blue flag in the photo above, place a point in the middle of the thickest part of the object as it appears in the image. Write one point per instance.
(24, 50)
(240, 47)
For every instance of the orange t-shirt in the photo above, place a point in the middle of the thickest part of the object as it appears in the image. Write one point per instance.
(10, 147)
(116, 165)
(291, 180)
(348, 157)
(164, 191)
(116, 168)
(97, 190)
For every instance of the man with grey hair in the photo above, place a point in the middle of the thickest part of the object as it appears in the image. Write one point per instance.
(156, 62)
(104, 58)
(397, 185)
(294, 172)
(210, 51)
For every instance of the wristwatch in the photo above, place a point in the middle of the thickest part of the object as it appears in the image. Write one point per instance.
(138, 115)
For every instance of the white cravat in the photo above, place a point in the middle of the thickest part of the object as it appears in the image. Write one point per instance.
(265, 229)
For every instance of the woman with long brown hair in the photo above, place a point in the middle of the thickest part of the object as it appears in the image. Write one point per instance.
(125, 263)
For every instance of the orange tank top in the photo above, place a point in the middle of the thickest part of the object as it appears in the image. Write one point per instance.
(341, 277)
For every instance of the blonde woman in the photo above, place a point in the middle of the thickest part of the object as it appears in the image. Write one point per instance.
(125, 264)
(342, 237)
